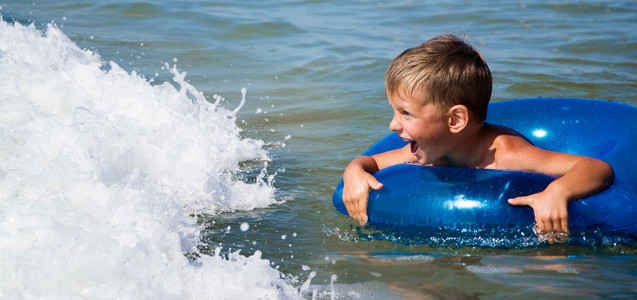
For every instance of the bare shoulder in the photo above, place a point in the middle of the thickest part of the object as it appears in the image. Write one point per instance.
(512, 150)
(506, 138)
(515, 152)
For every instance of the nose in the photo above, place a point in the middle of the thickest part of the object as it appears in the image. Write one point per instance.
(394, 124)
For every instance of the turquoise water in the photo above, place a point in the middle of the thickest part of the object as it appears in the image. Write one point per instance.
(113, 178)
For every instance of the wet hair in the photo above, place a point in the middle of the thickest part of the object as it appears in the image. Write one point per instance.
(447, 70)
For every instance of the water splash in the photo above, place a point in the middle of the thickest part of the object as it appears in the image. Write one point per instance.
(100, 170)
(478, 236)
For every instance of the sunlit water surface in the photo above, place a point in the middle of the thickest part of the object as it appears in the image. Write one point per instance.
(132, 165)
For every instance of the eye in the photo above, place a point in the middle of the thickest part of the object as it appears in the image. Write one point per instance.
(406, 114)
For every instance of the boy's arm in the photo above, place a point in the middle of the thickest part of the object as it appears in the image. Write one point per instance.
(359, 181)
(580, 177)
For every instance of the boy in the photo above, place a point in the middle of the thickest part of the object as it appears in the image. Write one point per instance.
(439, 92)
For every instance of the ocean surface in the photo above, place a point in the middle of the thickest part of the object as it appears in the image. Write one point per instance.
(190, 149)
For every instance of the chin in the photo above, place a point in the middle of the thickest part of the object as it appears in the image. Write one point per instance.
(426, 159)
(422, 160)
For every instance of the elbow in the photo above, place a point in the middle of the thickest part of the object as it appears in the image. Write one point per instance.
(610, 174)
(602, 173)
(605, 173)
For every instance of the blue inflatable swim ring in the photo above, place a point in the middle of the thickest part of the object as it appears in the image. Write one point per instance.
(442, 197)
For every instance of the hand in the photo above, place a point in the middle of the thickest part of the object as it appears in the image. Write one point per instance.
(551, 215)
(356, 193)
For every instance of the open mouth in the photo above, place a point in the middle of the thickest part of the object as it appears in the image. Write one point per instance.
(414, 147)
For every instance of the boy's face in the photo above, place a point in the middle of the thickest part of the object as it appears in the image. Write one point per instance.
(423, 125)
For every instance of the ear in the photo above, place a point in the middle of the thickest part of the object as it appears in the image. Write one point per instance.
(458, 118)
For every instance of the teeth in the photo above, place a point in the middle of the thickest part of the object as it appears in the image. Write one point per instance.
(414, 148)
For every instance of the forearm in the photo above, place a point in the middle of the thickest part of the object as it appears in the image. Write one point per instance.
(585, 178)
(362, 163)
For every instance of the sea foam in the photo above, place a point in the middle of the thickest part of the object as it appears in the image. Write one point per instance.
(101, 171)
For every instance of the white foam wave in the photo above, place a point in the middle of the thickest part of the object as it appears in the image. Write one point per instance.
(99, 172)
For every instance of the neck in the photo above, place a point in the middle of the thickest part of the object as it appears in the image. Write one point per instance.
(469, 151)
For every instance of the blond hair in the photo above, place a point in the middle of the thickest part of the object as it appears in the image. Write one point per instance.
(447, 70)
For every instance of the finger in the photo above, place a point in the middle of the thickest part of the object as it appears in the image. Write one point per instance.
(564, 226)
(352, 202)
(352, 208)
(349, 205)
(562, 235)
(363, 210)
(543, 226)
(363, 220)
(519, 201)
(374, 184)
(548, 225)
(557, 225)
(542, 234)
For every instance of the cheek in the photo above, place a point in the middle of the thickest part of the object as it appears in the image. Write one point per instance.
(418, 130)
(411, 129)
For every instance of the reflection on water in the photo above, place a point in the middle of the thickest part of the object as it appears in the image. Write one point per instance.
(314, 73)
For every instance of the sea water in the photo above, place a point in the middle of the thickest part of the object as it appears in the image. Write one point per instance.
(189, 149)
(101, 172)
